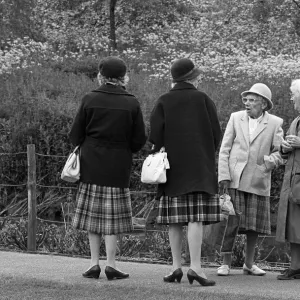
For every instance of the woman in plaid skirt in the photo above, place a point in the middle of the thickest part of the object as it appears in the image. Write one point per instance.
(109, 127)
(185, 122)
(248, 154)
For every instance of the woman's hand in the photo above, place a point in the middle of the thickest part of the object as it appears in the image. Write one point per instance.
(286, 147)
(293, 140)
(223, 187)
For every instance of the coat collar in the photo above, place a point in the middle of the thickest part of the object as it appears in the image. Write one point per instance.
(112, 89)
(245, 127)
(183, 86)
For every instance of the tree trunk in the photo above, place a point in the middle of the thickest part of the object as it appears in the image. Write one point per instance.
(112, 21)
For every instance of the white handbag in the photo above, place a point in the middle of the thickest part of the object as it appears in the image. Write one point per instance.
(71, 170)
(154, 168)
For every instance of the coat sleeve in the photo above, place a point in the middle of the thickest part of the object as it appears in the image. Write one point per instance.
(214, 121)
(139, 137)
(285, 156)
(77, 132)
(228, 138)
(157, 125)
(274, 159)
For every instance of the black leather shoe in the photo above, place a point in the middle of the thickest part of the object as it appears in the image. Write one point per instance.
(289, 274)
(93, 272)
(176, 275)
(192, 275)
(112, 273)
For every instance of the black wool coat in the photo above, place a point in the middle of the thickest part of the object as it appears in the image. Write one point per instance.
(185, 122)
(109, 127)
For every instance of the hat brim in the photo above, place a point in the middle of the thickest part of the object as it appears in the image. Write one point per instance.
(189, 76)
(269, 102)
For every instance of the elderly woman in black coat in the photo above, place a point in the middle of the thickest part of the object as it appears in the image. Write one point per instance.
(109, 127)
(185, 122)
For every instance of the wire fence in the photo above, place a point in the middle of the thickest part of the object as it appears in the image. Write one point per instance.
(56, 199)
(61, 195)
(58, 184)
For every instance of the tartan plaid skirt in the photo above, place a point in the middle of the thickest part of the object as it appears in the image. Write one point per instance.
(254, 209)
(190, 207)
(103, 210)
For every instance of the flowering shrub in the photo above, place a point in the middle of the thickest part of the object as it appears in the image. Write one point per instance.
(24, 53)
(259, 43)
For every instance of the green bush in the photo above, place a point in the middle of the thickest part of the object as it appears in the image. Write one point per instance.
(64, 239)
(87, 66)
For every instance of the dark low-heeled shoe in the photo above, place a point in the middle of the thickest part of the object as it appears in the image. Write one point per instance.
(289, 274)
(112, 273)
(192, 275)
(93, 272)
(176, 275)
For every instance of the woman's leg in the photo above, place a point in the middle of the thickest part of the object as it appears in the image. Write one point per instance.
(227, 259)
(94, 240)
(175, 237)
(250, 248)
(111, 248)
(295, 256)
(195, 230)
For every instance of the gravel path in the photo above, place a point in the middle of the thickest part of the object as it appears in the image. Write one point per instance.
(67, 270)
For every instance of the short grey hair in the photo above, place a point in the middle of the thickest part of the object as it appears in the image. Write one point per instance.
(193, 81)
(121, 81)
(265, 102)
(295, 86)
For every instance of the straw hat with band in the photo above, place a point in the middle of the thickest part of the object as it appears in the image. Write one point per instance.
(262, 90)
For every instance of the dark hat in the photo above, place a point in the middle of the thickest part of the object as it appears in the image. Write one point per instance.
(112, 67)
(184, 69)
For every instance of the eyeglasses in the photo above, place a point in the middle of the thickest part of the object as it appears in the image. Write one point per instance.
(250, 100)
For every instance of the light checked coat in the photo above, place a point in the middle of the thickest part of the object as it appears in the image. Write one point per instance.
(248, 163)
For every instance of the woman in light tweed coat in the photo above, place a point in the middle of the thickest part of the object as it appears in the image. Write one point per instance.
(109, 127)
(249, 152)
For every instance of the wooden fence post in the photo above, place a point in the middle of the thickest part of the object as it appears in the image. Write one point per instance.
(31, 163)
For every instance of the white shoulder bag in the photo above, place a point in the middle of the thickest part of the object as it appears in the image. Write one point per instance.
(154, 168)
(71, 170)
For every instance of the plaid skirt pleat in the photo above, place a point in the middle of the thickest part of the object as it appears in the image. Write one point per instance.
(190, 207)
(254, 210)
(103, 210)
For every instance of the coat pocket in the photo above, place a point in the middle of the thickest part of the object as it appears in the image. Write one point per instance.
(261, 178)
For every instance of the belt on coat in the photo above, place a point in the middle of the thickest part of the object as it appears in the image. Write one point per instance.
(107, 143)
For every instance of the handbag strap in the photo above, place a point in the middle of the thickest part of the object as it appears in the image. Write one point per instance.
(76, 149)
(146, 210)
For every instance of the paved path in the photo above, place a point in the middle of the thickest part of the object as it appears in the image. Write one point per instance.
(67, 270)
